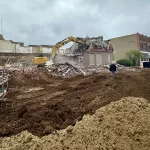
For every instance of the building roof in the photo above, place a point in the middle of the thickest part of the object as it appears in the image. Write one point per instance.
(121, 36)
(48, 46)
(21, 43)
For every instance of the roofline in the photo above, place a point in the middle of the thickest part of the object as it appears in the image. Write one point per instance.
(123, 36)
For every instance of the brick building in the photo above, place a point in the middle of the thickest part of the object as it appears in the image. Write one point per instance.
(134, 41)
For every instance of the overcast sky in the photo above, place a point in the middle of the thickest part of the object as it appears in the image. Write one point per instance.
(49, 21)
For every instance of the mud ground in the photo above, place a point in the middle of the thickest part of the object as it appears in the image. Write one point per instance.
(41, 103)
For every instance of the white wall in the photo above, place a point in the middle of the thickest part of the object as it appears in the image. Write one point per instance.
(97, 58)
(21, 49)
(47, 50)
(7, 46)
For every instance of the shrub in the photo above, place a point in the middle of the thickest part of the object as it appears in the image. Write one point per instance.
(125, 62)
(134, 56)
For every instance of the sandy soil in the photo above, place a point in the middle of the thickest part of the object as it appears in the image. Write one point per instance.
(120, 125)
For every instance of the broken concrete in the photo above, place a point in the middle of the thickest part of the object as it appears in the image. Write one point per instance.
(91, 43)
(65, 70)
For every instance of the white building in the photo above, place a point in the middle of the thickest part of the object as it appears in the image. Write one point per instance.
(145, 62)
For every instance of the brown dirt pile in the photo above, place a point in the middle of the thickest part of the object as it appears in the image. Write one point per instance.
(41, 103)
(121, 125)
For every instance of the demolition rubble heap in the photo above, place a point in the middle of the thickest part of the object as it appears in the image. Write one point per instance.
(90, 43)
(68, 70)
(121, 125)
(65, 70)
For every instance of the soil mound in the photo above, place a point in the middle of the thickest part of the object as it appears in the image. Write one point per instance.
(41, 103)
(121, 125)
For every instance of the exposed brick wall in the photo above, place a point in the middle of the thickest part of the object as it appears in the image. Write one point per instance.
(138, 40)
(144, 43)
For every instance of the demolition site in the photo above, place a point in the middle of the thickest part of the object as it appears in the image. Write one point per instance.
(58, 99)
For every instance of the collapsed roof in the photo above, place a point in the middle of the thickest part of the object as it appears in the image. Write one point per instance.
(91, 43)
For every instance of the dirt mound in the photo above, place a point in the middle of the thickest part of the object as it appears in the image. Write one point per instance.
(121, 125)
(41, 103)
(30, 77)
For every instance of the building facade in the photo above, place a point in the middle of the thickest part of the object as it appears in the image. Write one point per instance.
(97, 58)
(136, 41)
(9, 47)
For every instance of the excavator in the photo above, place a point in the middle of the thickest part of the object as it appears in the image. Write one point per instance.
(41, 61)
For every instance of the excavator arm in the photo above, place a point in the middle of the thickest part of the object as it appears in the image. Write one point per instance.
(40, 61)
(64, 42)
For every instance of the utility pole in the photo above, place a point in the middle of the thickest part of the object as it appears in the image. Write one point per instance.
(1, 25)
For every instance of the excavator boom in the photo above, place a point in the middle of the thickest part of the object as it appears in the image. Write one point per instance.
(66, 41)
(42, 60)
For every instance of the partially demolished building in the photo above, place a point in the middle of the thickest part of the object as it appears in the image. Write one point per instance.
(96, 51)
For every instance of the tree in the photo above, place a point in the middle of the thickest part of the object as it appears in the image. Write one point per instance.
(134, 56)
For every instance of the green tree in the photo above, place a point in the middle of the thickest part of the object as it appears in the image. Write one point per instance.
(134, 56)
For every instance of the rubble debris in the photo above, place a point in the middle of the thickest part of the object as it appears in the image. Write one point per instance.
(121, 125)
(3, 82)
(65, 70)
(69, 70)
(91, 43)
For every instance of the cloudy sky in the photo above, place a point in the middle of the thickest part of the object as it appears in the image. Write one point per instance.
(49, 21)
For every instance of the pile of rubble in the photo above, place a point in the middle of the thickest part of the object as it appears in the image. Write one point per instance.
(123, 68)
(70, 70)
(19, 65)
(65, 70)
(91, 43)
(95, 69)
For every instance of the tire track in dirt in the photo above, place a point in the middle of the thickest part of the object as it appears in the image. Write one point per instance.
(62, 102)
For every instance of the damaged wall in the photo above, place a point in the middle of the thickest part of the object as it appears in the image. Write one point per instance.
(21, 49)
(97, 58)
(64, 59)
(7, 46)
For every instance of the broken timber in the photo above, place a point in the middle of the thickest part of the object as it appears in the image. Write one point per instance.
(3, 82)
